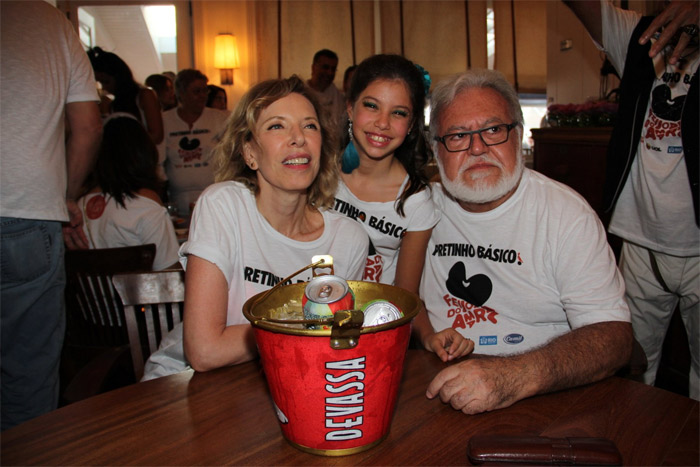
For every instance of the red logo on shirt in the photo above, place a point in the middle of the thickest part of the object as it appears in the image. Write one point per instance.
(95, 207)
(374, 265)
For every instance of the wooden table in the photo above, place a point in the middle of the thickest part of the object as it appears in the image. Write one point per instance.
(226, 417)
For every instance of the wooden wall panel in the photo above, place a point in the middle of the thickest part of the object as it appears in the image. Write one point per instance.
(364, 31)
(530, 55)
(531, 45)
(503, 28)
(477, 33)
(266, 38)
(390, 11)
(435, 36)
(309, 26)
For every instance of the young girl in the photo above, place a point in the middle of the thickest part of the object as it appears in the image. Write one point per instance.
(388, 191)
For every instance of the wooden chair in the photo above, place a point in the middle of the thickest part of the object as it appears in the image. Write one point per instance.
(153, 305)
(96, 338)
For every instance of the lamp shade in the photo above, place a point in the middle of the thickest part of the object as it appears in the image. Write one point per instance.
(226, 52)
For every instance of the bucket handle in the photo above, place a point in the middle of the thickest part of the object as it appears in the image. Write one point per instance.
(318, 261)
(345, 327)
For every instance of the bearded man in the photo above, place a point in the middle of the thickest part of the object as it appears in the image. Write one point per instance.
(518, 263)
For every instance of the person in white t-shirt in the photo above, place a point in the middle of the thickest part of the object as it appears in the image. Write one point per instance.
(387, 192)
(518, 263)
(122, 207)
(323, 69)
(46, 87)
(192, 130)
(652, 168)
(265, 218)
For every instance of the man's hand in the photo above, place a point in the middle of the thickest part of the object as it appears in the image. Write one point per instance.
(677, 14)
(478, 385)
(73, 234)
(448, 344)
(584, 355)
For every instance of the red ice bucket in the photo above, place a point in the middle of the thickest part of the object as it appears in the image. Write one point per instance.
(334, 390)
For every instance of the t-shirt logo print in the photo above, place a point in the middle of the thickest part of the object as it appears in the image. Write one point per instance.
(475, 289)
(95, 207)
(663, 106)
(189, 144)
(374, 265)
(190, 149)
(471, 293)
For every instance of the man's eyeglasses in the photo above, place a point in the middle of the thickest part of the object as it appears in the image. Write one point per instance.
(491, 136)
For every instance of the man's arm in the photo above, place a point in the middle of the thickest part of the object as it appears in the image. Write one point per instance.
(83, 119)
(584, 355)
(678, 13)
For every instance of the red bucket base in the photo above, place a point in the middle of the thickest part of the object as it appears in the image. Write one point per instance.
(334, 402)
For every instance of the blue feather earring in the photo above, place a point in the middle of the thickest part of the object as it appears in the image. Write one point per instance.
(350, 160)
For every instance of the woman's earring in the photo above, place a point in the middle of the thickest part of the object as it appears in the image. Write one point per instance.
(350, 129)
(252, 164)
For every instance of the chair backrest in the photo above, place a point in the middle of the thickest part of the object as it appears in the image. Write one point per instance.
(153, 305)
(94, 314)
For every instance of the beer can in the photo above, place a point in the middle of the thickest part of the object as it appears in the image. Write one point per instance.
(324, 295)
(380, 312)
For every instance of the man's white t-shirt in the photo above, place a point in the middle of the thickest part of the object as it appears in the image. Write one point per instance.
(386, 227)
(332, 101)
(228, 230)
(517, 276)
(109, 225)
(655, 208)
(36, 83)
(187, 154)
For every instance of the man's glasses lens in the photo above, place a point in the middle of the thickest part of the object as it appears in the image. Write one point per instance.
(491, 136)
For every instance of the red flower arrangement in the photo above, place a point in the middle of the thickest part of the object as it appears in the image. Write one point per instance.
(592, 113)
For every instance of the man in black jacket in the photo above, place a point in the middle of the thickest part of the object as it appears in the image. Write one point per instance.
(652, 168)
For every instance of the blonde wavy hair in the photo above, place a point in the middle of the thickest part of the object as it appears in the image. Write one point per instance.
(229, 162)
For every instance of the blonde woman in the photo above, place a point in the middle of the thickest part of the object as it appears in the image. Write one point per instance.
(265, 218)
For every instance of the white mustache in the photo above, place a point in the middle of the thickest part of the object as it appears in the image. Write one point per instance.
(474, 160)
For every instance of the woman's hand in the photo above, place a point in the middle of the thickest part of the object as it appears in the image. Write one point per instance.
(448, 344)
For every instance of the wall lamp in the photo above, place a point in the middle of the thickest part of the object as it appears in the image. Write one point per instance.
(226, 56)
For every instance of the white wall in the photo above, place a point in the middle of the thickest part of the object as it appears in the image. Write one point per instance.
(573, 75)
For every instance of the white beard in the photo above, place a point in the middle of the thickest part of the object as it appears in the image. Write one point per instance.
(482, 192)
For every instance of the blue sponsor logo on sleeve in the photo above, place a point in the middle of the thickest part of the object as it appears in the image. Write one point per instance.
(488, 340)
(675, 149)
(513, 339)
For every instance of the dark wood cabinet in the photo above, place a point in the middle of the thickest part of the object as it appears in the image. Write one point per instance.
(575, 157)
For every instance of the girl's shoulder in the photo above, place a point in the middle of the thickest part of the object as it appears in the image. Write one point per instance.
(150, 194)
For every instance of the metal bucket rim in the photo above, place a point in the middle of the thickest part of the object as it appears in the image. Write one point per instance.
(259, 322)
